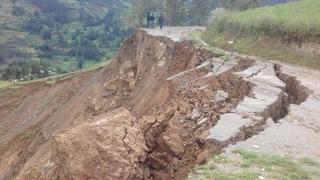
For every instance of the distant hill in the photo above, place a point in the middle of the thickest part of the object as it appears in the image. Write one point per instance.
(57, 36)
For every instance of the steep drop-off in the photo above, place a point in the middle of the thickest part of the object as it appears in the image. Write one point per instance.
(151, 113)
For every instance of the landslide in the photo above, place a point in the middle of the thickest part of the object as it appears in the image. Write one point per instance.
(144, 116)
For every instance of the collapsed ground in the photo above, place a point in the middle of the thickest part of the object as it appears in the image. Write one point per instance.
(161, 107)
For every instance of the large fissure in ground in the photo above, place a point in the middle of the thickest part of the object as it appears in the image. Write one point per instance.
(176, 139)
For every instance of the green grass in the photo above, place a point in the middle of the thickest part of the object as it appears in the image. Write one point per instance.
(297, 21)
(5, 84)
(54, 79)
(249, 165)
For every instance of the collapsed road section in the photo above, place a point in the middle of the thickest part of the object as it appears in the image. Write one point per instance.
(159, 108)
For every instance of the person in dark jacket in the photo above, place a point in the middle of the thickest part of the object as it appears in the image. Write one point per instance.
(161, 21)
(152, 20)
(148, 20)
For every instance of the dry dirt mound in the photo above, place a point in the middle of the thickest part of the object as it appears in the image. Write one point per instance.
(94, 151)
(152, 113)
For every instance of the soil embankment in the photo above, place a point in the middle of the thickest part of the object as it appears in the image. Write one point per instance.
(154, 112)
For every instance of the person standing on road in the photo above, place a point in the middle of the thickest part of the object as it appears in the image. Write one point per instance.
(148, 20)
(152, 20)
(161, 21)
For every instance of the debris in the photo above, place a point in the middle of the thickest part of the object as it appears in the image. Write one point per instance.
(256, 146)
(195, 114)
(202, 121)
(202, 158)
(221, 96)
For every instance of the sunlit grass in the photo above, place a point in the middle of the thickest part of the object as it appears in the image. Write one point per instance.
(247, 165)
(4, 84)
(301, 19)
(297, 21)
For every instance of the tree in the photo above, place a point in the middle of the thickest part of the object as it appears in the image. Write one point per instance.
(18, 11)
(136, 15)
(175, 11)
(200, 10)
(80, 63)
(46, 33)
(240, 5)
(26, 69)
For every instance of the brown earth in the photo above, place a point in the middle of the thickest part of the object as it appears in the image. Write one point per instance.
(146, 115)
(41, 123)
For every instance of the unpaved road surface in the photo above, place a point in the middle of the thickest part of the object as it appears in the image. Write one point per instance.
(297, 133)
(162, 106)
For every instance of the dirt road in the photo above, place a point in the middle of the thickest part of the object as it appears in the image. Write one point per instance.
(298, 132)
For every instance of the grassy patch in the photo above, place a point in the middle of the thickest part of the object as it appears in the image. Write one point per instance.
(309, 162)
(196, 37)
(247, 165)
(5, 84)
(296, 22)
(29, 135)
(269, 50)
(297, 19)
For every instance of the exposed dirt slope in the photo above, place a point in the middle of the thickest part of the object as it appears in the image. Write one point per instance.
(152, 113)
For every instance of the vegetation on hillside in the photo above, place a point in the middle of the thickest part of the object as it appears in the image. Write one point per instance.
(182, 12)
(176, 12)
(269, 31)
(297, 20)
(39, 38)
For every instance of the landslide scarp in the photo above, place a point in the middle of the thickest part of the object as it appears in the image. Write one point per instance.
(146, 115)
(135, 80)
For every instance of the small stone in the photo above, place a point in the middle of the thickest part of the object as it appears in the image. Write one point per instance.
(256, 146)
(202, 158)
(261, 177)
(195, 114)
(209, 93)
(166, 138)
(202, 121)
(203, 136)
(221, 96)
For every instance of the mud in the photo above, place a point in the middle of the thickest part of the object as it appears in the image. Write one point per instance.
(154, 112)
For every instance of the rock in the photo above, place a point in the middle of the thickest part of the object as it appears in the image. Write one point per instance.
(157, 162)
(173, 143)
(256, 146)
(109, 147)
(202, 157)
(202, 121)
(202, 138)
(221, 96)
(195, 114)
(116, 85)
(181, 121)
(224, 110)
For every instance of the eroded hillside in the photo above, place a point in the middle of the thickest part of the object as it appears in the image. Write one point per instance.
(159, 108)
